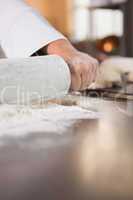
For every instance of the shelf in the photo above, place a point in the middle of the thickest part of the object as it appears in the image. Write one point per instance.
(113, 6)
(103, 5)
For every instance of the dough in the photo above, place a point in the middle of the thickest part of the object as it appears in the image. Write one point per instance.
(111, 72)
(23, 80)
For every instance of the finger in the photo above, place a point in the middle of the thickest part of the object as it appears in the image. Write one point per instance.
(84, 82)
(94, 73)
(75, 82)
(84, 79)
(90, 75)
(94, 70)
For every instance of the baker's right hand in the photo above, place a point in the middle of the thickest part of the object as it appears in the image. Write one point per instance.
(83, 67)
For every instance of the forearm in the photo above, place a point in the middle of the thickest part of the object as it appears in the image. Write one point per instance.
(61, 47)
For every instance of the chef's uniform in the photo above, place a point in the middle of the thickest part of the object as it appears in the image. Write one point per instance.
(23, 31)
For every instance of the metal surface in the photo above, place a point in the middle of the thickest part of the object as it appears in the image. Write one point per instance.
(116, 93)
(92, 160)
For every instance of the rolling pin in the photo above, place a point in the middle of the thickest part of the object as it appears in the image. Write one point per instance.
(26, 79)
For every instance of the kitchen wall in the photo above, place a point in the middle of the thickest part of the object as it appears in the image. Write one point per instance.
(128, 30)
(58, 12)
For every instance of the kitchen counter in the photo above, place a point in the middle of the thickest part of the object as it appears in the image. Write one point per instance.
(92, 160)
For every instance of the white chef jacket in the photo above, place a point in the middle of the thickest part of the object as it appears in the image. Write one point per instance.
(23, 30)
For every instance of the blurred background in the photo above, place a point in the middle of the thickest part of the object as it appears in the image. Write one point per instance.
(98, 27)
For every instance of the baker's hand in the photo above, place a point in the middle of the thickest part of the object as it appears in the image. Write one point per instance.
(83, 67)
(83, 70)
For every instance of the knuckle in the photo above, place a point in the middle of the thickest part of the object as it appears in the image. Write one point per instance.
(86, 69)
(90, 68)
(77, 69)
(83, 68)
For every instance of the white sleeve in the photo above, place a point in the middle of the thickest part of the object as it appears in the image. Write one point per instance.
(23, 30)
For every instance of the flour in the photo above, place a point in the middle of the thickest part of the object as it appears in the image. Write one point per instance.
(112, 71)
(19, 122)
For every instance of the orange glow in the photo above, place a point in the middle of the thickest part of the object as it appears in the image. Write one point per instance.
(108, 47)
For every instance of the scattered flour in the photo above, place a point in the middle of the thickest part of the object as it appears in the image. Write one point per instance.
(18, 122)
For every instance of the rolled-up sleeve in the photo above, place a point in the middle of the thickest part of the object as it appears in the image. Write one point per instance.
(24, 30)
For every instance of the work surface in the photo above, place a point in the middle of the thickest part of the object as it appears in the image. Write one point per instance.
(93, 159)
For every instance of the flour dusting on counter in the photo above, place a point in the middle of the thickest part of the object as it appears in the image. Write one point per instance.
(15, 121)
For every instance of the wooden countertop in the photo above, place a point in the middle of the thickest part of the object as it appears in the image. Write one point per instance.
(92, 160)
